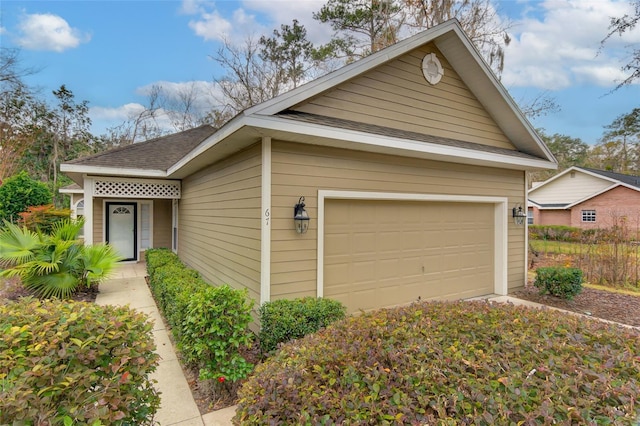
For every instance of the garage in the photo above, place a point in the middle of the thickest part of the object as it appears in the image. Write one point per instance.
(382, 253)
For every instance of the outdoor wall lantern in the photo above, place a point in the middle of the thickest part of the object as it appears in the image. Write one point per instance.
(519, 215)
(300, 217)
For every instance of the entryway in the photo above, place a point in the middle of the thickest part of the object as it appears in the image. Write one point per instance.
(121, 228)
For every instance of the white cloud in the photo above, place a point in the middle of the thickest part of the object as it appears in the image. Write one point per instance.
(559, 45)
(48, 32)
(211, 26)
(279, 12)
(202, 95)
(116, 115)
(254, 18)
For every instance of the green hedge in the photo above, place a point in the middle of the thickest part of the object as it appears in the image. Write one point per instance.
(283, 320)
(65, 362)
(209, 323)
(559, 281)
(467, 363)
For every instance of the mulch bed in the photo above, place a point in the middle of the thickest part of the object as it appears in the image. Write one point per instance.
(607, 305)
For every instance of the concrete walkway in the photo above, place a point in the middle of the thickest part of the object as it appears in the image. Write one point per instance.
(177, 407)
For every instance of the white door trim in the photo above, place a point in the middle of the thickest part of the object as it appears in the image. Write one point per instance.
(500, 225)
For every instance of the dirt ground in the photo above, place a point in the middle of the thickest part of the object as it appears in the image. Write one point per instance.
(607, 305)
(597, 303)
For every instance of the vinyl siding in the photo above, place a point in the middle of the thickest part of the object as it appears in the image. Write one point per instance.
(162, 223)
(219, 221)
(303, 170)
(98, 220)
(567, 189)
(396, 95)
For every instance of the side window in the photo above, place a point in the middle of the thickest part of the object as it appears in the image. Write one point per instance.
(80, 214)
(174, 239)
(530, 217)
(588, 215)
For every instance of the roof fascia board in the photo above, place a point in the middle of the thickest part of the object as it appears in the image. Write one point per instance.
(278, 124)
(228, 129)
(71, 191)
(111, 171)
(603, 177)
(315, 87)
(497, 85)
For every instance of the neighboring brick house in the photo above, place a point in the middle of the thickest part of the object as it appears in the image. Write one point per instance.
(586, 198)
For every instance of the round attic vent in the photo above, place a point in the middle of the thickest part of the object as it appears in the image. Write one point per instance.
(431, 68)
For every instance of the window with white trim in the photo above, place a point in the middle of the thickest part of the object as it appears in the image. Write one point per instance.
(174, 227)
(529, 216)
(588, 215)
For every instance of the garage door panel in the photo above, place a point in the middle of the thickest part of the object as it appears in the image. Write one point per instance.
(391, 252)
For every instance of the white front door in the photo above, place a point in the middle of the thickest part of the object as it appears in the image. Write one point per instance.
(121, 229)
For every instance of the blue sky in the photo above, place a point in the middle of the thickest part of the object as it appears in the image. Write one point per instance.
(111, 52)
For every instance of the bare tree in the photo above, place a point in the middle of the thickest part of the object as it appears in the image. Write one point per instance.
(619, 26)
(249, 79)
(478, 18)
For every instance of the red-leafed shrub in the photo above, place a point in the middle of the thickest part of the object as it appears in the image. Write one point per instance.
(75, 363)
(451, 363)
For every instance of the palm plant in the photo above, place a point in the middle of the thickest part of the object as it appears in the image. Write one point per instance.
(57, 264)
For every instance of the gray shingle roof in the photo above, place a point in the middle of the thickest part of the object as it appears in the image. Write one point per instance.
(627, 179)
(154, 154)
(395, 133)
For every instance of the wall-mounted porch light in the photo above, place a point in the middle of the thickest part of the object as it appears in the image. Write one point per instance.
(519, 215)
(300, 217)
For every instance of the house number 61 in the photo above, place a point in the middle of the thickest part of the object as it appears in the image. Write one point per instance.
(266, 216)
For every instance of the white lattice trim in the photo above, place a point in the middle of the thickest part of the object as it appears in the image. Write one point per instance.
(136, 189)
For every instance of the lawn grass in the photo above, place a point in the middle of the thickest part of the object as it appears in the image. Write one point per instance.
(557, 247)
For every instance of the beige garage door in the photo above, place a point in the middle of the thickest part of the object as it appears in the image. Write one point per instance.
(386, 253)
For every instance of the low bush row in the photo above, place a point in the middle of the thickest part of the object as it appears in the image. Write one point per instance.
(559, 281)
(64, 363)
(283, 320)
(209, 324)
(451, 363)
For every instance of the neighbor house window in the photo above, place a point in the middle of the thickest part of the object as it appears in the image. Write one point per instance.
(530, 217)
(588, 215)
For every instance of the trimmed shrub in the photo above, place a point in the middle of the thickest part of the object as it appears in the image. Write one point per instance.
(450, 363)
(559, 281)
(210, 324)
(214, 329)
(75, 363)
(283, 320)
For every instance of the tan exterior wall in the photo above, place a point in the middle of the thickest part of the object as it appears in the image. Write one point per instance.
(553, 217)
(98, 220)
(302, 171)
(162, 223)
(611, 207)
(219, 221)
(396, 95)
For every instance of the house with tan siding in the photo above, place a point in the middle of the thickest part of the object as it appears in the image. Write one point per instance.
(586, 198)
(410, 164)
